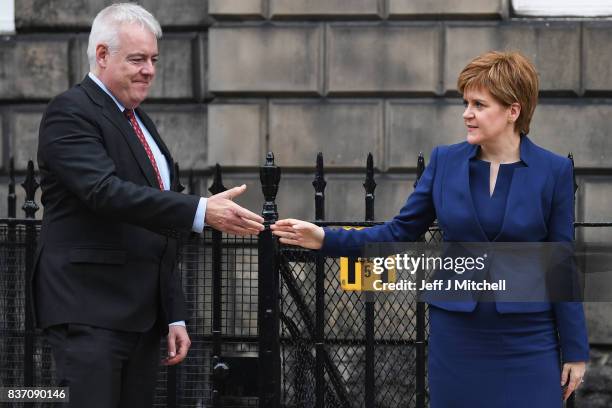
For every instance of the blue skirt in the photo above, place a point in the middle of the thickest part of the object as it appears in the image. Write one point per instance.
(485, 359)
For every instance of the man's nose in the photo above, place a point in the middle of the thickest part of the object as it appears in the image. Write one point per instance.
(148, 68)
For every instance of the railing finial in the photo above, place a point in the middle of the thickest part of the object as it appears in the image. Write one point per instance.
(420, 168)
(270, 175)
(177, 173)
(217, 185)
(319, 184)
(12, 197)
(370, 186)
(30, 186)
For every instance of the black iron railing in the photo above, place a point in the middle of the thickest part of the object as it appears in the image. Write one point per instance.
(270, 324)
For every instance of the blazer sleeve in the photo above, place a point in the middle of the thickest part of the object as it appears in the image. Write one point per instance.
(71, 146)
(412, 221)
(571, 323)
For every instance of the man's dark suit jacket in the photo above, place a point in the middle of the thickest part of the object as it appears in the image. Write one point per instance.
(106, 256)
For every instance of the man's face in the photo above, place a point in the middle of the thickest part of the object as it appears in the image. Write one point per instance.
(129, 72)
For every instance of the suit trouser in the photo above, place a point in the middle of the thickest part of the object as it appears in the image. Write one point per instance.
(105, 368)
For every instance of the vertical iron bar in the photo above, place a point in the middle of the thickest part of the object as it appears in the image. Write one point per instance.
(171, 388)
(172, 371)
(571, 401)
(12, 197)
(217, 236)
(191, 185)
(370, 186)
(420, 168)
(13, 266)
(420, 318)
(177, 175)
(30, 207)
(268, 315)
(370, 377)
(319, 184)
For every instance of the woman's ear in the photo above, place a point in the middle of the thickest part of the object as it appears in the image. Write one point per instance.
(514, 112)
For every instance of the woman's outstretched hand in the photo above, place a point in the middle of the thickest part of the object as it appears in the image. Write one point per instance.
(300, 233)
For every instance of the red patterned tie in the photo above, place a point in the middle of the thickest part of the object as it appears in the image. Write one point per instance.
(132, 118)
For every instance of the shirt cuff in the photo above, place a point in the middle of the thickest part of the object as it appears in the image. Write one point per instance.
(198, 220)
(179, 323)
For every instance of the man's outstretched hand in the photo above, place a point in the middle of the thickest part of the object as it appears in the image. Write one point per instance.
(225, 215)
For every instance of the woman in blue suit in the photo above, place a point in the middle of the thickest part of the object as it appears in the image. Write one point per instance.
(498, 186)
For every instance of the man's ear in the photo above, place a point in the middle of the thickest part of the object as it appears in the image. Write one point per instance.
(102, 54)
(514, 112)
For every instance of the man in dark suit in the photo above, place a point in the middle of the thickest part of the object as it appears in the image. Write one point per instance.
(105, 283)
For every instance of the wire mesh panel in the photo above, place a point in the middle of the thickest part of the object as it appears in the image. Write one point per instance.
(338, 363)
(17, 243)
(238, 270)
(238, 307)
(344, 337)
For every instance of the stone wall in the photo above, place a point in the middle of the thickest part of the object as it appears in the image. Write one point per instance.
(346, 77)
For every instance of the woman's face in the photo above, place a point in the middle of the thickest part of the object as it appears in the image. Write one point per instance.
(485, 118)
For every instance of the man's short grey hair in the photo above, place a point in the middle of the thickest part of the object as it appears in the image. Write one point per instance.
(105, 27)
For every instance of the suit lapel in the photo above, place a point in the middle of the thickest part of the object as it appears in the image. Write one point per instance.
(464, 183)
(457, 209)
(523, 190)
(116, 117)
(517, 192)
(112, 113)
(160, 143)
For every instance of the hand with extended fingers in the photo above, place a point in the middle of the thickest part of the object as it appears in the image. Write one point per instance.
(300, 233)
(225, 215)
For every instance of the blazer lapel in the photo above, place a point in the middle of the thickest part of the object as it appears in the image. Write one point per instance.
(517, 193)
(458, 210)
(112, 113)
(160, 143)
(522, 207)
(116, 117)
(465, 185)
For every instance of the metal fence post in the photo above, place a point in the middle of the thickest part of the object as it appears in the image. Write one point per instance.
(420, 320)
(571, 401)
(219, 367)
(177, 174)
(12, 197)
(319, 184)
(172, 371)
(13, 275)
(30, 207)
(268, 315)
(370, 378)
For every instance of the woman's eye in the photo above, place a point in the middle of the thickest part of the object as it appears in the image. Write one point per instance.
(465, 103)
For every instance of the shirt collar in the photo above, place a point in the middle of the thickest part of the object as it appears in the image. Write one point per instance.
(105, 89)
(524, 150)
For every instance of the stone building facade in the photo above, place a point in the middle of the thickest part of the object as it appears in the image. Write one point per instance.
(238, 78)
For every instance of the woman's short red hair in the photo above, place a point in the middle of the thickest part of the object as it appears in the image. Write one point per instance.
(509, 76)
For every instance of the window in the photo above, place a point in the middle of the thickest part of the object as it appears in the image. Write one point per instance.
(563, 8)
(7, 16)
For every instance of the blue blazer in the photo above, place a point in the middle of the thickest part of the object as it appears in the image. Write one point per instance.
(539, 208)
